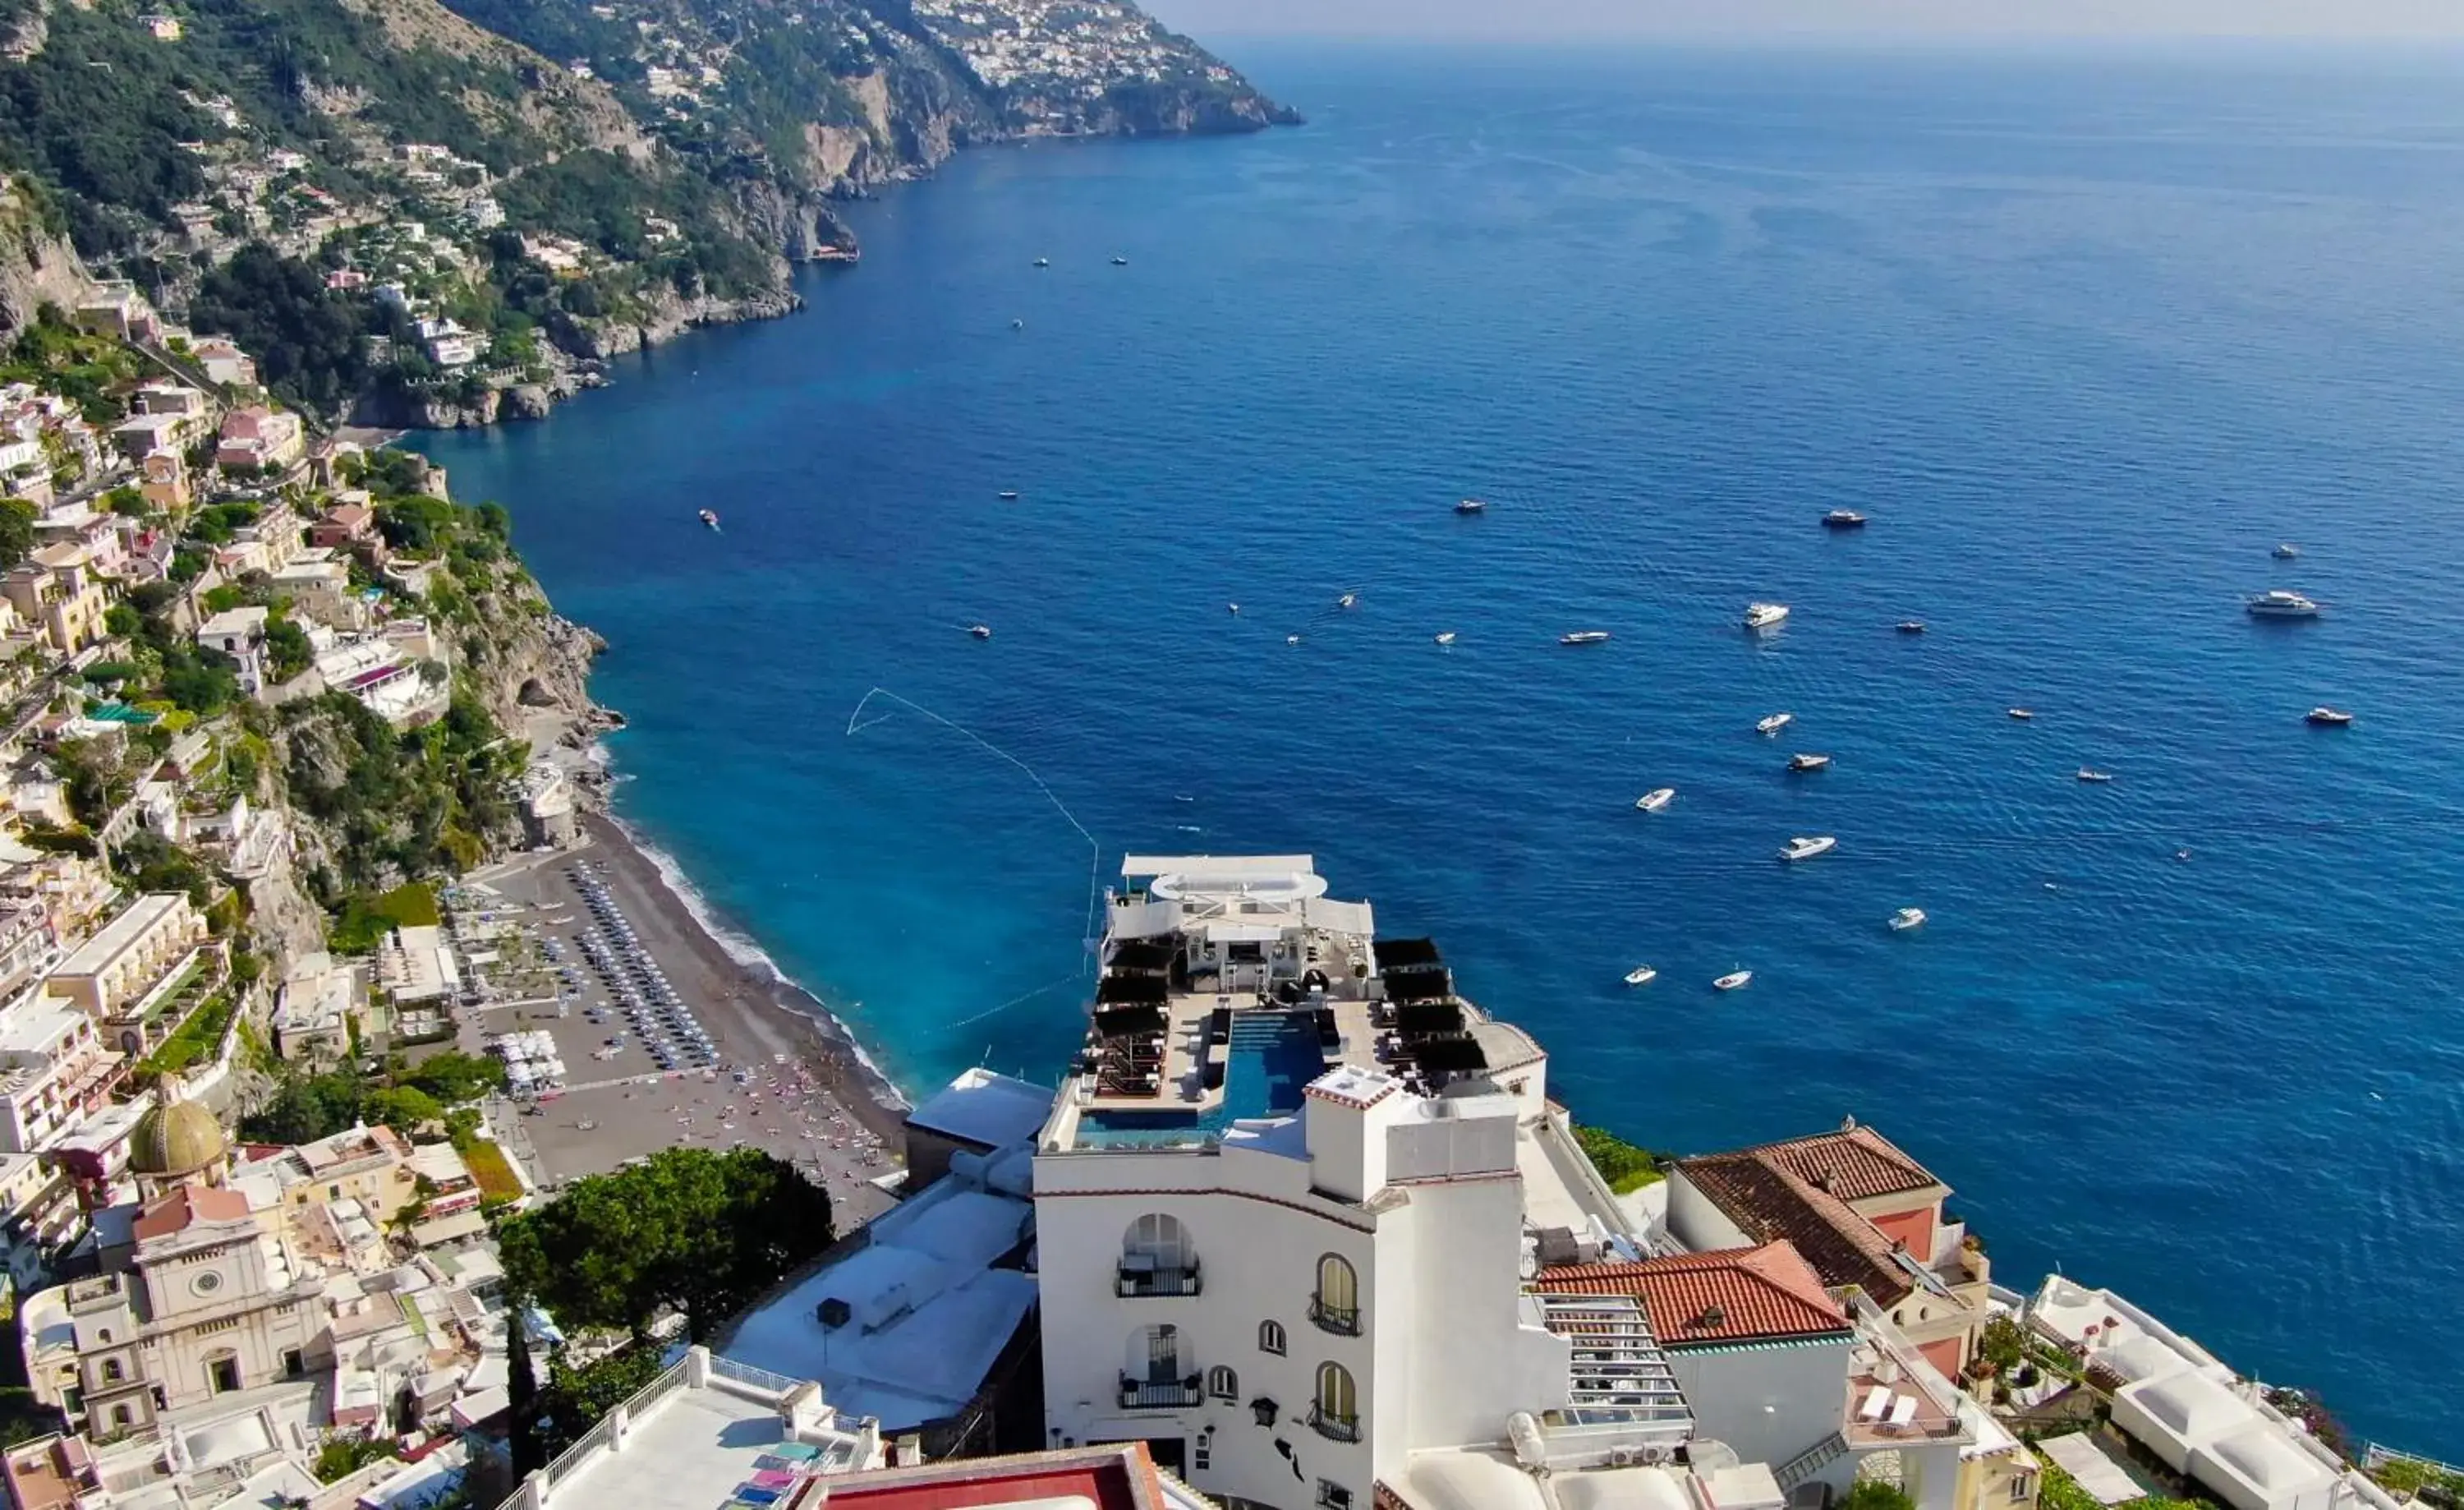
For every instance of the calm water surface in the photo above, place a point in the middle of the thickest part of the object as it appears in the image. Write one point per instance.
(2085, 337)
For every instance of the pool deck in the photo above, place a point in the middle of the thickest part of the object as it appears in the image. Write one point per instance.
(1182, 1080)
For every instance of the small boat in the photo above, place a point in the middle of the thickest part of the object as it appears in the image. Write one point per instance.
(1641, 975)
(2279, 604)
(1657, 798)
(1472, 506)
(709, 517)
(980, 631)
(1291, 639)
(2329, 717)
(1044, 261)
(1588, 636)
(1348, 600)
(1008, 495)
(1763, 615)
(1906, 918)
(1120, 261)
(1733, 980)
(1843, 519)
(1774, 723)
(1018, 325)
(1805, 848)
(1446, 639)
(1911, 626)
(2023, 715)
(2093, 776)
(1232, 608)
(1808, 762)
(2287, 553)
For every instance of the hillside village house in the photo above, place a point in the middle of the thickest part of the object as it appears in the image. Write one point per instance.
(313, 1010)
(240, 634)
(223, 361)
(320, 588)
(56, 591)
(162, 478)
(1861, 1212)
(54, 1069)
(254, 435)
(118, 310)
(134, 952)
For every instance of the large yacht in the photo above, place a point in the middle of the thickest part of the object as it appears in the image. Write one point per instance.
(2279, 604)
(1763, 615)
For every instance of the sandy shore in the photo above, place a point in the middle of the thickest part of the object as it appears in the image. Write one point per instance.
(806, 1095)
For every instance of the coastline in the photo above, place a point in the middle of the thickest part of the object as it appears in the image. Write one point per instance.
(836, 1053)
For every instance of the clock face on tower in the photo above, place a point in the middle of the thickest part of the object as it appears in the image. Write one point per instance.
(207, 1283)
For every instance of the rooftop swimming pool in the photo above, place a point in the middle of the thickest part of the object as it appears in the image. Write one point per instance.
(1270, 1061)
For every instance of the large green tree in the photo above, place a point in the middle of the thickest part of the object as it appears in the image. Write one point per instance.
(694, 1229)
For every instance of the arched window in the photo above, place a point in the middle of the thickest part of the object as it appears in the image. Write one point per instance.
(1157, 1257)
(1336, 1305)
(121, 1418)
(1336, 1412)
(112, 1372)
(103, 1334)
(1222, 1383)
(1270, 1338)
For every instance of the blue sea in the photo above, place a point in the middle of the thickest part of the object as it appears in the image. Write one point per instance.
(2085, 334)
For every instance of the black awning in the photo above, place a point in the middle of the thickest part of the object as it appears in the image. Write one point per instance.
(1121, 1022)
(1403, 953)
(1447, 1055)
(1419, 1019)
(1418, 985)
(1116, 989)
(1142, 954)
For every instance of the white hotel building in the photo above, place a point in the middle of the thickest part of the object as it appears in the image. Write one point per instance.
(1287, 1208)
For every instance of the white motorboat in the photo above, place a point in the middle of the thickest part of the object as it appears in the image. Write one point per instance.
(1232, 608)
(2329, 717)
(1008, 495)
(1805, 847)
(1911, 626)
(2287, 551)
(1774, 723)
(1044, 261)
(980, 631)
(1291, 639)
(1472, 506)
(1348, 600)
(1654, 800)
(1120, 261)
(709, 517)
(1843, 519)
(2279, 604)
(1587, 636)
(1907, 918)
(2023, 715)
(1763, 615)
(1733, 980)
(2093, 777)
(1802, 763)
(1446, 639)
(1641, 975)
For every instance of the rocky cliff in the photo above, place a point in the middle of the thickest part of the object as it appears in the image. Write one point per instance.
(37, 265)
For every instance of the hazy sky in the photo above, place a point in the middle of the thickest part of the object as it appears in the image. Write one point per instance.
(1574, 19)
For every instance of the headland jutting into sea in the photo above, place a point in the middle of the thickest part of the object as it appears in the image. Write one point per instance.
(1663, 315)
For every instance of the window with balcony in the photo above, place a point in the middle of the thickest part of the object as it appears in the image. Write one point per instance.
(1335, 1411)
(1157, 1258)
(1156, 1374)
(1335, 1307)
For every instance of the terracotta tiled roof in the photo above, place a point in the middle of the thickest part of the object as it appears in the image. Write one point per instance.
(1766, 1201)
(176, 1208)
(1855, 1164)
(1735, 1296)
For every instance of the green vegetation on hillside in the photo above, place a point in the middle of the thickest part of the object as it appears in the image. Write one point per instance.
(311, 343)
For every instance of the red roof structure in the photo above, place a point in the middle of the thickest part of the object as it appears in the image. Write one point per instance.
(176, 1210)
(1738, 1295)
(1117, 1476)
(1802, 1190)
